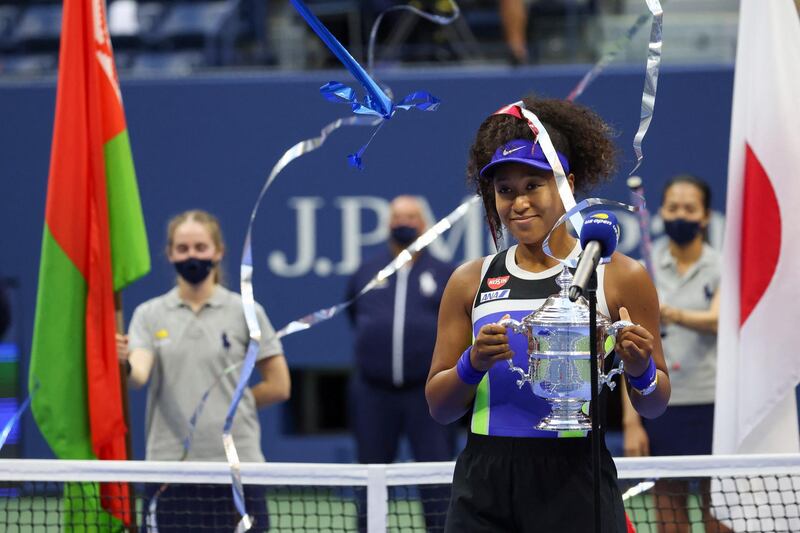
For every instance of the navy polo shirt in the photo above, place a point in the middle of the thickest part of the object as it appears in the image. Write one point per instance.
(395, 323)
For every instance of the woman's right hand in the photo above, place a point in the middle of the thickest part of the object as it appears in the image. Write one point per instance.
(122, 347)
(636, 443)
(491, 346)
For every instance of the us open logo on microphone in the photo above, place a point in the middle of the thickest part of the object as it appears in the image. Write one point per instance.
(602, 218)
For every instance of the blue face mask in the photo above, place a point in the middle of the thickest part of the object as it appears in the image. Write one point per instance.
(403, 235)
(194, 270)
(681, 231)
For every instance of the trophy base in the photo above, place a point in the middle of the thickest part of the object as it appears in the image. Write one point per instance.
(570, 417)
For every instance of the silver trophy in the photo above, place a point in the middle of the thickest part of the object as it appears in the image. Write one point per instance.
(559, 356)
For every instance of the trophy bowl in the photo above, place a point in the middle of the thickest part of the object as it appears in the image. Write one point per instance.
(559, 356)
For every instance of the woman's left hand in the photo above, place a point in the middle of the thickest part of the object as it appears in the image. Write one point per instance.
(634, 346)
(670, 315)
(122, 347)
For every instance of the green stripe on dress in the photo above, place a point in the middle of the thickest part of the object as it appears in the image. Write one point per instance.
(480, 408)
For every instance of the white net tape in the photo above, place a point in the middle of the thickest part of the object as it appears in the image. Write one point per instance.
(747, 493)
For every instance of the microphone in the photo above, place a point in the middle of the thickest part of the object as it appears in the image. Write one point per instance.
(599, 237)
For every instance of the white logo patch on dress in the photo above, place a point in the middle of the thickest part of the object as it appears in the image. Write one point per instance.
(495, 295)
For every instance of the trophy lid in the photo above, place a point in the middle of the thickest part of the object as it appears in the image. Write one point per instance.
(558, 310)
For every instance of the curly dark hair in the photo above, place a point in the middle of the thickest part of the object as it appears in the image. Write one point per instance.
(576, 131)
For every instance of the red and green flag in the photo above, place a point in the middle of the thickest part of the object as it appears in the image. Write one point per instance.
(94, 244)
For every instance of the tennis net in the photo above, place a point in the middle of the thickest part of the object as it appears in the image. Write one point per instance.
(719, 493)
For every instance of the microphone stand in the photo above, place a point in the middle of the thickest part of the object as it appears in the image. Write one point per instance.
(594, 408)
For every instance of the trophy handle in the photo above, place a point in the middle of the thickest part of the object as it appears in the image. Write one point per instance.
(612, 331)
(608, 379)
(611, 334)
(517, 327)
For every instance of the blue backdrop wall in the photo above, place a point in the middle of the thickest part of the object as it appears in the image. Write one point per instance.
(209, 142)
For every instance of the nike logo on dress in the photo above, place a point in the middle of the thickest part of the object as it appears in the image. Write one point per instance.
(506, 152)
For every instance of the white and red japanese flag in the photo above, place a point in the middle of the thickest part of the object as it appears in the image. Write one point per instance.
(759, 328)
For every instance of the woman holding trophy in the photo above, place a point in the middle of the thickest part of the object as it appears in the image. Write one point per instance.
(513, 476)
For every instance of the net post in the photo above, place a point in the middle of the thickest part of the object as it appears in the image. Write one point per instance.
(377, 499)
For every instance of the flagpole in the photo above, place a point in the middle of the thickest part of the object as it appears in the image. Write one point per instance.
(119, 319)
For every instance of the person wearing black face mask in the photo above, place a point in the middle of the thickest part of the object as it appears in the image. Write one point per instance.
(395, 331)
(182, 342)
(687, 273)
(194, 270)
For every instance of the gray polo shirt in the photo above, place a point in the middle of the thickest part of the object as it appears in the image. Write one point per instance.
(691, 355)
(191, 351)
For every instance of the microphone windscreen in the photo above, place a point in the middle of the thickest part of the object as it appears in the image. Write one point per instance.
(601, 226)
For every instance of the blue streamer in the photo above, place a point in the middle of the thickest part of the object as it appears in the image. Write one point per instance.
(14, 419)
(338, 92)
(375, 102)
(421, 100)
(355, 159)
(376, 98)
(244, 377)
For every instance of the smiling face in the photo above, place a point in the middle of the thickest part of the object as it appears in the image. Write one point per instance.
(527, 201)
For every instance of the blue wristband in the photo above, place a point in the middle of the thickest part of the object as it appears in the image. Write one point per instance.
(466, 372)
(646, 379)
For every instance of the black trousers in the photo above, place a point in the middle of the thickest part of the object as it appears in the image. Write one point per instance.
(380, 416)
(514, 484)
(203, 508)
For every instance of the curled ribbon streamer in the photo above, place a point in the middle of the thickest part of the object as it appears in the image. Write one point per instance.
(187, 441)
(636, 186)
(299, 325)
(583, 204)
(246, 522)
(638, 489)
(248, 302)
(16, 416)
(436, 19)
(402, 259)
(614, 50)
(650, 79)
(152, 507)
(249, 305)
(312, 319)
